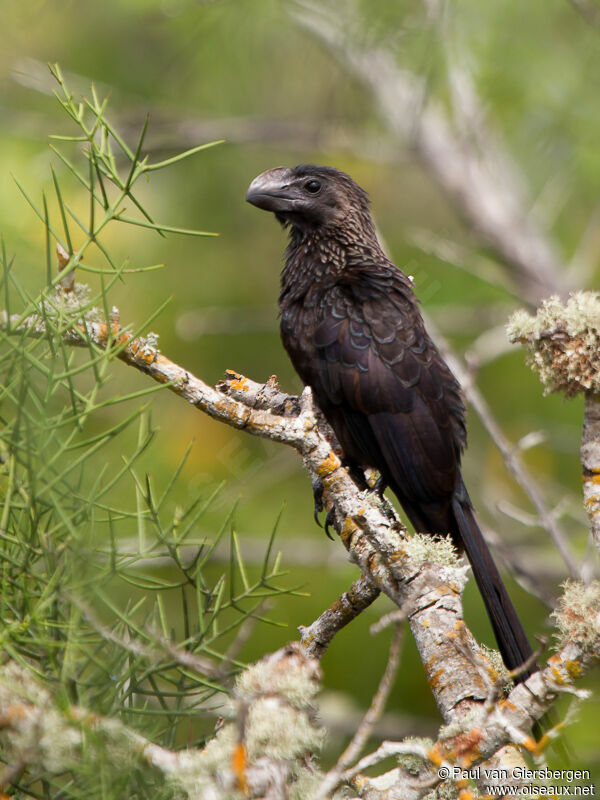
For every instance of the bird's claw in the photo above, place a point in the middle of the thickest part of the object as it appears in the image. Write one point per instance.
(318, 488)
(329, 521)
(379, 486)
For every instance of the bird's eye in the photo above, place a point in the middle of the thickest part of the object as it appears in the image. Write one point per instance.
(313, 186)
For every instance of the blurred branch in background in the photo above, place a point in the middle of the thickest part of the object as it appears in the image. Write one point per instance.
(171, 133)
(589, 10)
(510, 453)
(461, 154)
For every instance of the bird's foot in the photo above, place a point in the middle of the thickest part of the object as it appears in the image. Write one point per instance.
(318, 488)
(329, 519)
(377, 485)
(357, 475)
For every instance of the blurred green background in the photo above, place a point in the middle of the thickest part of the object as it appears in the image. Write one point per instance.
(246, 71)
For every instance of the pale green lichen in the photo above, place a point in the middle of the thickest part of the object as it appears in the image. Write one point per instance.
(36, 727)
(578, 615)
(277, 730)
(562, 342)
(72, 302)
(296, 679)
(275, 698)
(502, 677)
(435, 549)
(275, 722)
(414, 763)
(149, 344)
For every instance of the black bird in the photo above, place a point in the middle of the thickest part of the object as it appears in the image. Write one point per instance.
(351, 325)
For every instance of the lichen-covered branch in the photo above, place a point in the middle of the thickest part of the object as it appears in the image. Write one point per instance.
(265, 748)
(485, 734)
(261, 752)
(590, 461)
(317, 636)
(407, 570)
(420, 574)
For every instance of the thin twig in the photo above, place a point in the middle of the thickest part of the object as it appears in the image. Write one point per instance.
(365, 729)
(317, 636)
(159, 648)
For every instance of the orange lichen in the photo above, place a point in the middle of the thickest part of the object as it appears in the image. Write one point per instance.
(240, 384)
(14, 713)
(328, 465)
(530, 744)
(349, 528)
(506, 704)
(239, 763)
(139, 350)
(559, 668)
(436, 679)
(574, 668)
(466, 746)
(437, 755)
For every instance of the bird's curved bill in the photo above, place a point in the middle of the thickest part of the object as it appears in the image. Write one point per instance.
(271, 191)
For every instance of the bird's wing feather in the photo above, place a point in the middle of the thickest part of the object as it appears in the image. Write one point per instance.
(376, 360)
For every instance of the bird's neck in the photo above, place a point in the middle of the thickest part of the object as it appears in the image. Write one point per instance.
(319, 258)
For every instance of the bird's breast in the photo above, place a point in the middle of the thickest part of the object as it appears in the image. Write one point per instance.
(301, 318)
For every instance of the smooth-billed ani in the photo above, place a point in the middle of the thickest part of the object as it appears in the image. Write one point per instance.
(352, 328)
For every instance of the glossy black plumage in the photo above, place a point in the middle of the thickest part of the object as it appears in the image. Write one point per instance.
(351, 325)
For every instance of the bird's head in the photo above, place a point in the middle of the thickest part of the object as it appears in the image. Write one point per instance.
(309, 197)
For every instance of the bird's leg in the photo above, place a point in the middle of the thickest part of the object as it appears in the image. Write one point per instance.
(376, 484)
(379, 485)
(357, 474)
(369, 480)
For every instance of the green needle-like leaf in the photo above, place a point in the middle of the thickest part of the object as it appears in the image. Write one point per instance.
(175, 159)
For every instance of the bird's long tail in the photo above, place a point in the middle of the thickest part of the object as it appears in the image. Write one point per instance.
(510, 635)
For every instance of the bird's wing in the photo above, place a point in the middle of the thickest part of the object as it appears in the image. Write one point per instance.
(397, 397)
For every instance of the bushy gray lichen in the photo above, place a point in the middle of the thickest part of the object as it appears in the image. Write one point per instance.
(562, 342)
(503, 678)
(275, 723)
(275, 699)
(36, 727)
(578, 615)
(414, 763)
(149, 344)
(295, 678)
(70, 303)
(437, 549)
